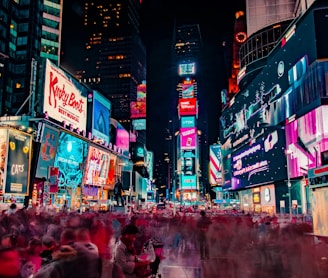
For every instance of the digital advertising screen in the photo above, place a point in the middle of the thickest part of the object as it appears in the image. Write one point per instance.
(307, 138)
(262, 162)
(122, 138)
(187, 107)
(187, 69)
(188, 137)
(149, 163)
(215, 173)
(18, 162)
(139, 124)
(65, 99)
(71, 154)
(101, 115)
(138, 107)
(188, 182)
(48, 148)
(187, 91)
(3, 157)
(97, 167)
(188, 162)
(188, 121)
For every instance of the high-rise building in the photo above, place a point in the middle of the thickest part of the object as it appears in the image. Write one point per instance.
(113, 58)
(30, 31)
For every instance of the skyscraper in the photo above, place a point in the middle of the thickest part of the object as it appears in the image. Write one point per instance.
(30, 31)
(112, 59)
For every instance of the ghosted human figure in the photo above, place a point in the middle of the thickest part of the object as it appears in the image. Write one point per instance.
(203, 224)
(118, 193)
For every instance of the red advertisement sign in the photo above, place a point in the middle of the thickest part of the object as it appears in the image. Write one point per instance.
(188, 137)
(53, 179)
(187, 107)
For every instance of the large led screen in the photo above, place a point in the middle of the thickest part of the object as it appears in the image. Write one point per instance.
(101, 117)
(188, 121)
(187, 69)
(48, 148)
(215, 173)
(320, 212)
(188, 138)
(187, 91)
(71, 154)
(98, 167)
(307, 138)
(189, 182)
(16, 177)
(264, 161)
(138, 107)
(188, 107)
(65, 99)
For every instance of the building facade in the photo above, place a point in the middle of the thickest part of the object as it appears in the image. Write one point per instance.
(30, 31)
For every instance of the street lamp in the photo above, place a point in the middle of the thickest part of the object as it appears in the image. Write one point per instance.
(167, 159)
(289, 185)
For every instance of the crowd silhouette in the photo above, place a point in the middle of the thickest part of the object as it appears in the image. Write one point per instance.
(44, 243)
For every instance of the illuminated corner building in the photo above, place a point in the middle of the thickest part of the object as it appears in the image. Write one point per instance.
(240, 37)
(282, 97)
(114, 58)
(191, 149)
(265, 23)
(30, 30)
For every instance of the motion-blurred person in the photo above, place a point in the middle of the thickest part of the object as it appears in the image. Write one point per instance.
(48, 247)
(9, 262)
(118, 192)
(203, 224)
(125, 256)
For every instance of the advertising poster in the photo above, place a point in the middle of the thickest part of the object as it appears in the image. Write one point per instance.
(18, 163)
(215, 165)
(187, 91)
(187, 69)
(49, 140)
(71, 152)
(65, 99)
(97, 167)
(189, 182)
(187, 107)
(101, 117)
(138, 107)
(188, 121)
(53, 179)
(3, 157)
(262, 162)
(188, 138)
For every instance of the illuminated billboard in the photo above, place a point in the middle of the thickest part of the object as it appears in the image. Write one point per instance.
(65, 99)
(15, 148)
(187, 69)
(264, 161)
(188, 182)
(188, 137)
(138, 107)
(215, 175)
(48, 148)
(306, 139)
(98, 167)
(188, 107)
(187, 91)
(139, 124)
(71, 153)
(101, 114)
(188, 121)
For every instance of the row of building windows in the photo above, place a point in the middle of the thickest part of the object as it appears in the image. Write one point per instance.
(259, 45)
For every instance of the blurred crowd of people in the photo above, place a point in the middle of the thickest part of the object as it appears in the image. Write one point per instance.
(112, 244)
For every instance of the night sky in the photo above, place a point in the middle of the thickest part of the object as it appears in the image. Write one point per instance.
(157, 19)
(216, 26)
